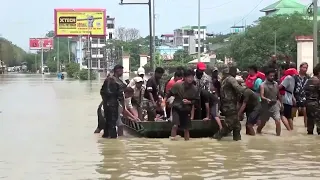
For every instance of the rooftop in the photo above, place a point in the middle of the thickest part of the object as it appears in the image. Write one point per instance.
(286, 7)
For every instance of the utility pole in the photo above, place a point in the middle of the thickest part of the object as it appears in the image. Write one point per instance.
(315, 32)
(42, 69)
(69, 49)
(154, 35)
(149, 3)
(89, 54)
(199, 47)
(58, 54)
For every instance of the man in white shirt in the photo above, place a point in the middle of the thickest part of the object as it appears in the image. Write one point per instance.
(141, 74)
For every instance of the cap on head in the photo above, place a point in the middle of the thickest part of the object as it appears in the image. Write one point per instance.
(201, 66)
(138, 79)
(141, 71)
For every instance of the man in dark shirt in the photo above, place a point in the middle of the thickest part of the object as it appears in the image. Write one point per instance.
(185, 94)
(152, 92)
(112, 93)
(250, 104)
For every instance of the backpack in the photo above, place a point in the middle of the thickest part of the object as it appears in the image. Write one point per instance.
(261, 75)
(252, 79)
(288, 72)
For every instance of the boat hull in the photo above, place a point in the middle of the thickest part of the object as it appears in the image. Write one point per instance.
(162, 129)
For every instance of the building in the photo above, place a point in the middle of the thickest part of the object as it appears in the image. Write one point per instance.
(167, 52)
(79, 47)
(288, 7)
(187, 37)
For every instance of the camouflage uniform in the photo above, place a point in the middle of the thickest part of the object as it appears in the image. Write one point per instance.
(312, 92)
(230, 91)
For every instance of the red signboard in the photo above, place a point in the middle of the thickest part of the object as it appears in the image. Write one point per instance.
(40, 43)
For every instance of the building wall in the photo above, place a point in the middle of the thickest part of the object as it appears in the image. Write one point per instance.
(97, 47)
(167, 52)
(188, 38)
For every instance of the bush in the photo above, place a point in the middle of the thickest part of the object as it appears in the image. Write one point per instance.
(72, 69)
(83, 74)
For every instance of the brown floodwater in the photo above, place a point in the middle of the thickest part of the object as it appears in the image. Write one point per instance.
(46, 132)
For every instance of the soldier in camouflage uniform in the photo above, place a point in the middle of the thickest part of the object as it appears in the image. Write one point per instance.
(230, 91)
(312, 92)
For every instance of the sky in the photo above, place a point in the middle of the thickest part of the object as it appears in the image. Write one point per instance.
(24, 19)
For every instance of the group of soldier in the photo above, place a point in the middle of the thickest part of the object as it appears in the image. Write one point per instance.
(193, 94)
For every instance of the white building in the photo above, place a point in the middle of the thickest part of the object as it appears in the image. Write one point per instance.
(98, 59)
(187, 37)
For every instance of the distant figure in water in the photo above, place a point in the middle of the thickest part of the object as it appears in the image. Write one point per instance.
(62, 76)
(59, 75)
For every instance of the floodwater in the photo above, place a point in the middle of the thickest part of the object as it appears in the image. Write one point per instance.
(46, 132)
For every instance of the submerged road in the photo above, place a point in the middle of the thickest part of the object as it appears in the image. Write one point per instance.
(46, 132)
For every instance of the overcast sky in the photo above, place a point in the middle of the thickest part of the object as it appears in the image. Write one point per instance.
(33, 18)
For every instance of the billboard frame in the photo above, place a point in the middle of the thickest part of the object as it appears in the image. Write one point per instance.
(39, 40)
(79, 10)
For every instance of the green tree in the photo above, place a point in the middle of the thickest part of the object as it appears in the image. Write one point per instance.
(11, 54)
(256, 44)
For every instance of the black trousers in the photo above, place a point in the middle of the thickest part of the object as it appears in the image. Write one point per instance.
(101, 120)
(111, 115)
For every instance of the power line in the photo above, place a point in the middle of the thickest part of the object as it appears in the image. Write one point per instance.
(218, 5)
(246, 15)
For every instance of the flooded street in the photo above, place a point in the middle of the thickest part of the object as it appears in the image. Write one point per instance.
(46, 132)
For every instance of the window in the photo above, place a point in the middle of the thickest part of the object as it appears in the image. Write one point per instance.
(196, 49)
(94, 63)
(102, 40)
(94, 51)
(94, 40)
(110, 35)
(186, 48)
(110, 26)
(202, 49)
(185, 40)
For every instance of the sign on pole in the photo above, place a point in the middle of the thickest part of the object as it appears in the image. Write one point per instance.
(40, 43)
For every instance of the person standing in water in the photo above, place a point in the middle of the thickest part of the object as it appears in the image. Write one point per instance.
(185, 94)
(230, 91)
(270, 102)
(112, 94)
(312, 91)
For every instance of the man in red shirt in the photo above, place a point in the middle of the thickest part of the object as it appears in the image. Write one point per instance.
(177, 76)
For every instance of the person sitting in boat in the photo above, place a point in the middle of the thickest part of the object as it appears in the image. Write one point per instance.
(141, 73)
(160, 115)
(185, 94)
(137, 99)
(128, 111)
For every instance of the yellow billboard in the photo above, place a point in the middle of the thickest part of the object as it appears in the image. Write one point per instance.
(76, 22)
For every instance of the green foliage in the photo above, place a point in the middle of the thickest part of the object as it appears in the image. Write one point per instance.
(83, 74)
(11, 54)
(180, 58)
(33, 62)
(257, 43)
(217, 38)
(63, 56)
(52, 65)
(72, 69)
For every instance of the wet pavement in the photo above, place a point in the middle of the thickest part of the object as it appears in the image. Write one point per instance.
(46, 132)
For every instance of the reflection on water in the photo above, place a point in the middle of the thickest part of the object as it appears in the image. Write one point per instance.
(46, 132)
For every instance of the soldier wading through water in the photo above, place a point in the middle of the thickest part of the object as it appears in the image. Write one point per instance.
(230, 91)
(312, 92)
(112, 94)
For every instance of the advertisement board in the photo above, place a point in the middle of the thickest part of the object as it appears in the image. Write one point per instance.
(76, 22)
(36, 43)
